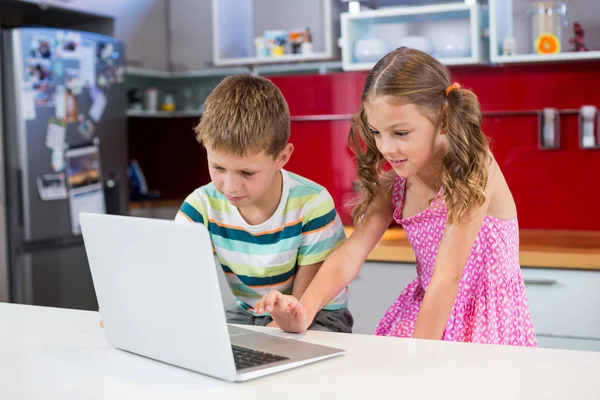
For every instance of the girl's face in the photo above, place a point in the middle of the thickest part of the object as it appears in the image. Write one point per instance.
(407, 139)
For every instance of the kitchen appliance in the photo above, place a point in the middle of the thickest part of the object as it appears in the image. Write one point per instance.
(64, 144)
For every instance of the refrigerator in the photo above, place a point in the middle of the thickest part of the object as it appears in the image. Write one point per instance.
(64, 151)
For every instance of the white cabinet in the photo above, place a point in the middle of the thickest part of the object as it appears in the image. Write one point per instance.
(568, 343)
(375, 288)
(565, 306)
(141, 24)
(511, 19)
(237, 22)
(453, 33)
(190, 31)
(98, 7)
(564, 302)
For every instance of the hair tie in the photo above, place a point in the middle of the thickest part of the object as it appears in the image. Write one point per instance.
(455, 85)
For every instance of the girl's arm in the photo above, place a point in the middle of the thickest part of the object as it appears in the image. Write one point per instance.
(452, 256)
(337, 271)
(343, 265)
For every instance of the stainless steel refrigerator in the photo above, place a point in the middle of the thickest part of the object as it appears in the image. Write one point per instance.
(64, 149)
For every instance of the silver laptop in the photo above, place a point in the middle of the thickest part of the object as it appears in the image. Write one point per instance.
(158, 290)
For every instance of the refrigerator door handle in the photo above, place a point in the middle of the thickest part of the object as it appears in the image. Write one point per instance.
(20, 211)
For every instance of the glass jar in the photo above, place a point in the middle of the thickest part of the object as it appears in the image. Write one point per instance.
(547, 21)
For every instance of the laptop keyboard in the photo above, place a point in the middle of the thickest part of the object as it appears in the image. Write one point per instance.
(247, 358)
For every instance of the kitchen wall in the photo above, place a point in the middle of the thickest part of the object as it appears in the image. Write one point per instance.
(554, 189)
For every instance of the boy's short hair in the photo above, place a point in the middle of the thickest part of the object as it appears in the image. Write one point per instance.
(244, 115)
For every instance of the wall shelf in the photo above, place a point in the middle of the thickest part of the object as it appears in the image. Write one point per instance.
(163, 114)
(234, 32)
(509, 19)
(395, 24)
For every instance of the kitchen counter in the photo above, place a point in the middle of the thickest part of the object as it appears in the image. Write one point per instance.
(538, 248)
(63, 354)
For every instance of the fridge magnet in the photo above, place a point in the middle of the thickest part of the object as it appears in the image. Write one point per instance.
(57, 160)
(41, 47)
(120, 74)
(38, 76)
(52, 187)
(98, 105)
(102, 81)
(28, 103)
(59, 68)
(87, 63)
(84, 181)
(60, 102)
(55, 134)
(72, 113)
(73, 81)
(86, 129)
(105, 51)
(68, 46)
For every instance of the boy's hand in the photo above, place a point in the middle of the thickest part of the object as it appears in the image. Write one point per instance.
(287, 312)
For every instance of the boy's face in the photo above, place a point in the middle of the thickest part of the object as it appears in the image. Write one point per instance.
(246, 180)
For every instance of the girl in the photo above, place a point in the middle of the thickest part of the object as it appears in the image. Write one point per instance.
(448, 193)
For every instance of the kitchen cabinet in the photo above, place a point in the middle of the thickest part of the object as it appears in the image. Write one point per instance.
(565, 305)
(141, 24)
(234, 32)
(450, 32)
(190, 31)
(97, 7)
(568, 343)
(376, 287)
(512, 19)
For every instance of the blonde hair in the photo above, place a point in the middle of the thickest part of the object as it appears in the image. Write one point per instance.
(408, 76)
(244, 115)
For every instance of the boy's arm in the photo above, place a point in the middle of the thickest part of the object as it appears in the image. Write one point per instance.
(322, 233)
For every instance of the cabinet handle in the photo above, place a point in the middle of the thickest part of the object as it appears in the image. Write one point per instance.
(544, 282)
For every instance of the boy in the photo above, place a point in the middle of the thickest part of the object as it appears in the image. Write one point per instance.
(271, 229)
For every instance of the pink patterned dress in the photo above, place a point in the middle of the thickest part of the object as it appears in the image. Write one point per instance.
(491, 305)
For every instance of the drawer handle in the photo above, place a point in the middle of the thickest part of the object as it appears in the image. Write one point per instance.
(545, 282)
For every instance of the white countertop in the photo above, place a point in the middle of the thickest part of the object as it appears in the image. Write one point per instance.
(48, 353)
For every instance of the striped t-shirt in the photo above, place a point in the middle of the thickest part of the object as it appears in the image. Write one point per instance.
(304, 229)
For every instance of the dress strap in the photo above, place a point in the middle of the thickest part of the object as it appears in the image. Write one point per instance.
(398, 189)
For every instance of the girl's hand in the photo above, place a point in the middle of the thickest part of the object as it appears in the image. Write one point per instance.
(287, 312)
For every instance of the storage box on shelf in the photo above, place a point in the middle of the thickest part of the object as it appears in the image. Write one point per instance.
(451, 32)
(237, 23)
(512, 25)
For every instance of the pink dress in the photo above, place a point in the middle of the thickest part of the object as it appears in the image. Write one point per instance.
(491, 305)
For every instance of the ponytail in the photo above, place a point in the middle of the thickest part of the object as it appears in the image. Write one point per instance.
(464, 172)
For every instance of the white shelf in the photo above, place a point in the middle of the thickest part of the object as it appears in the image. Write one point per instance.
(150, 73)
(276, 59)
(321, 67)
(410, 10)
(208, 72)
(201, 73)
(530, 58)
(162, 114)
(367, 66)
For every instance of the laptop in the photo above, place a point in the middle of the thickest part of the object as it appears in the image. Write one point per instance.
(158, 290)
